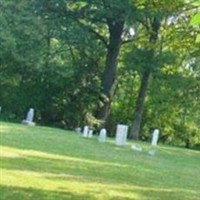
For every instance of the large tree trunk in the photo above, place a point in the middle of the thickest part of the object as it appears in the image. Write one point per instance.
(109, 75)
(134, 133)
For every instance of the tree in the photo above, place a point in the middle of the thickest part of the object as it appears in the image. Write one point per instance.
(20, 37)
(195, 21)
(154, 53)
(106, 20)
(71, 60)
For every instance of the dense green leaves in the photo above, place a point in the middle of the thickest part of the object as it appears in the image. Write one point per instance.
(73, 60)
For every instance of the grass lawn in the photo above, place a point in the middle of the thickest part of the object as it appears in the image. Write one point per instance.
(40, 163)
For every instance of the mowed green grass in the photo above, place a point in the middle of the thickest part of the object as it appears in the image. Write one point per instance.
(40, 163)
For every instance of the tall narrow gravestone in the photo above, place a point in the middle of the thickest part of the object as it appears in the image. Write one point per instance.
(154, 142)
(29, 118)
(85, 131)
(121, 134)
(90, 133)
(155, 138)
(102, 135)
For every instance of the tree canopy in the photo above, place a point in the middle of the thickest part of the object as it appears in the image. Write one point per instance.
(103, 62)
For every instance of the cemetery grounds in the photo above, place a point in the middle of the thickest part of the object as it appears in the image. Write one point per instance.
(46, 164)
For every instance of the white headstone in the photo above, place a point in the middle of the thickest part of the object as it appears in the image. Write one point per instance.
(85, 131)
(155, 137)
(152, 152)
(121, 134)
(30, 115)
(78, 130)
(136, 148)
(102, 135)
(29, 118)
(90, 133)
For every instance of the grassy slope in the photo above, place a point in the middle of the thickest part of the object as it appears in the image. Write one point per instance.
(46, 164)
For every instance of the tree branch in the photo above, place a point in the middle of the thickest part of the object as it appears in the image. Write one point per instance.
(128, 41)
(99, 36)
(102, 38)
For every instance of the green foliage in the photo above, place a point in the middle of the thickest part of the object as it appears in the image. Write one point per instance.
(196, 19)
(53, 73)
(171, 108)
(53, 55)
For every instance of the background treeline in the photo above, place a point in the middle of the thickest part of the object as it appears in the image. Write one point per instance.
(103, 62)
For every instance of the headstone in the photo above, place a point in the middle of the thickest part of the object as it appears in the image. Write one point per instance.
(78, 130)
(85, 131)
(29, 118)
(30, 115)
(152, 152)
(136, 148)
(155, 137)
(154, 142)
(102, 135)
(121, 134)
(90, 133)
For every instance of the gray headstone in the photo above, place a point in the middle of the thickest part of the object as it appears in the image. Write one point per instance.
(136, 148)
(102, 135)
(30, 115)
(78, 130)
(121, 134)
(90, 133)
(154, 142)
(85, 131)
(29, 118)
(152, 152)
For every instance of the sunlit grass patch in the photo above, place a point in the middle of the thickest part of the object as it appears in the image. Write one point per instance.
(44, 163)
(62, 183)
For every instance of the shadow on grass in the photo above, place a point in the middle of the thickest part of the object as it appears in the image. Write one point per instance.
(83, 174)
(70, 145)
(101, 164)
(87, 170)
(136, 193)
(154, 193)
(19, 193)
(60, 143)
